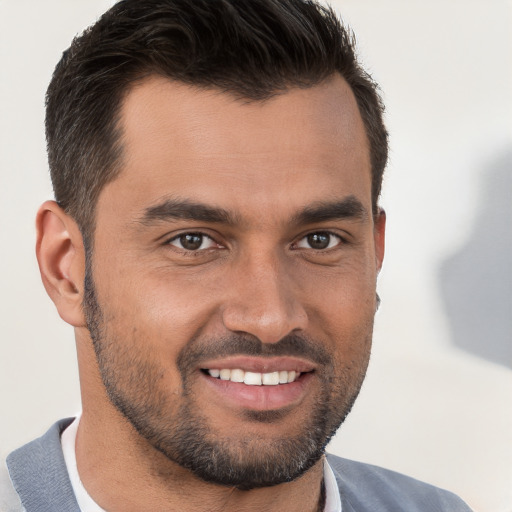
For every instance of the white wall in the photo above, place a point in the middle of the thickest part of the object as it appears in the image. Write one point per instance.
(437, 403)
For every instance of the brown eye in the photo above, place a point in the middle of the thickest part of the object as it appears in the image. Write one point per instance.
(319, 241)
(192, 241)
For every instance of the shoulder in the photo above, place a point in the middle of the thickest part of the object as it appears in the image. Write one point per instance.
(370, 488)
(39, 475)
(43, 453)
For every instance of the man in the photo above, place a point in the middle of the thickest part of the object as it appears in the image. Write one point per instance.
(215, 243)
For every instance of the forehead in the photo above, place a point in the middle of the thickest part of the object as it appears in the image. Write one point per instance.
(209, 146)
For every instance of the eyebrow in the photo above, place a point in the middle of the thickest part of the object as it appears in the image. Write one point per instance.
(183, 209)
(348, 208)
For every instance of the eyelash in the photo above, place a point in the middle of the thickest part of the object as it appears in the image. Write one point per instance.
(295, 245)
(204, 237)
(330, 234)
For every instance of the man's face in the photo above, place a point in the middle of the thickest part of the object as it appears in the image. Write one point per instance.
(232, 282)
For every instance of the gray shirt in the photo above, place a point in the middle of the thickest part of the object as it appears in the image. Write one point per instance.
(37, 481)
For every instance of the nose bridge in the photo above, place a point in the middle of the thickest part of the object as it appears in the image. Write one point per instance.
(264, 299)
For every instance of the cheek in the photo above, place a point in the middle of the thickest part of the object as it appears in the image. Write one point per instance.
(135, 292)
(179, 305)
(155, 314)
(342, 296)
(343, 315)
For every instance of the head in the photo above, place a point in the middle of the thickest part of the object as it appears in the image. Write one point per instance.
(221, 163)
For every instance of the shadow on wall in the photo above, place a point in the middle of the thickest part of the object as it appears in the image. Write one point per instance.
(476, 282)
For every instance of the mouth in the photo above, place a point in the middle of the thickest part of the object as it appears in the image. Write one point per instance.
(258, 383)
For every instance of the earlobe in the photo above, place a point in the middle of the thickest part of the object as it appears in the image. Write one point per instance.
(380, 237)
(61, 259)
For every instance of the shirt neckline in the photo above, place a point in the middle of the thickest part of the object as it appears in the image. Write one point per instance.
(87, 504)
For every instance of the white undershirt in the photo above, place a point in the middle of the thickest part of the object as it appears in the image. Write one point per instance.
(68, 439)
(87, 504)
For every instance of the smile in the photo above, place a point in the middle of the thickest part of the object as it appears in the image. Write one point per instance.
(244, 382)
(254, 378)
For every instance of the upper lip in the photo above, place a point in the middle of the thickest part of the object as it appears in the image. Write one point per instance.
(260, 364)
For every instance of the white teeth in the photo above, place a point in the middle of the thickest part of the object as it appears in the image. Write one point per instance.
(255, 378)
(270, 379)
(237, 375)
(252, 379)
(225, 375)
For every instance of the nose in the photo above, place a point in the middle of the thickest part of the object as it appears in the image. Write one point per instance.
(264, 301)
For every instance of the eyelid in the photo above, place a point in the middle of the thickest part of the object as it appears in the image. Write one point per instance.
(177, 236)
(341, 240)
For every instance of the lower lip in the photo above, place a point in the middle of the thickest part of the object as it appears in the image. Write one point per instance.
(260, 398)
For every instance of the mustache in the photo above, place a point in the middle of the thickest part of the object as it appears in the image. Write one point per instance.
(297, 345)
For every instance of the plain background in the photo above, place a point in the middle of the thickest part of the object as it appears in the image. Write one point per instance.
(437, 403)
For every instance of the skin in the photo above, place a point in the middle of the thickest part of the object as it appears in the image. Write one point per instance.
(258, 276)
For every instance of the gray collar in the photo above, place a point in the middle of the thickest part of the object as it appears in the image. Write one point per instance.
(39, 475)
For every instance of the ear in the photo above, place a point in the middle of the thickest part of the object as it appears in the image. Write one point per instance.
(379, 235)
(61, 258)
